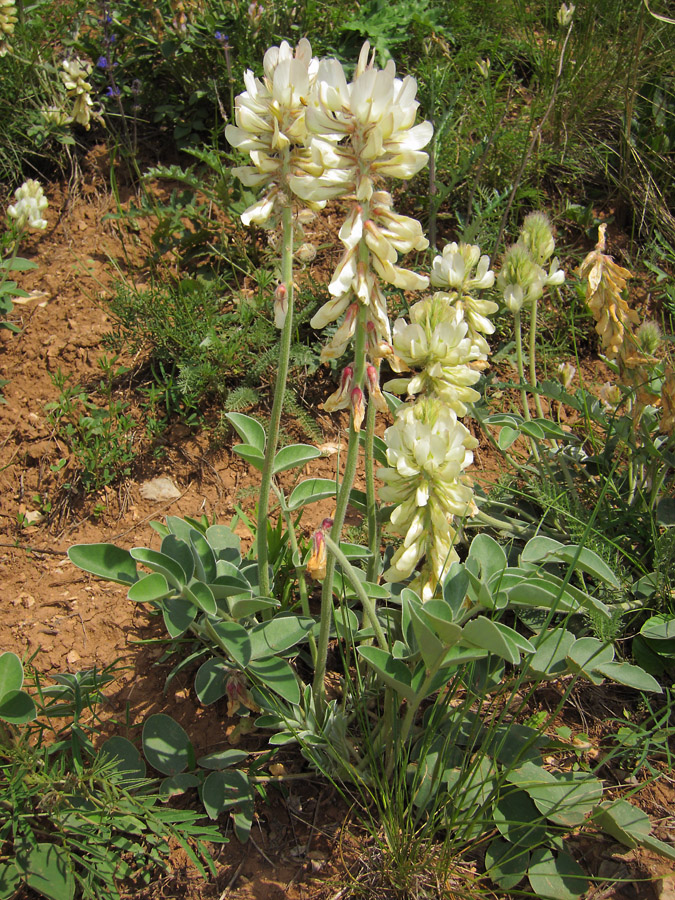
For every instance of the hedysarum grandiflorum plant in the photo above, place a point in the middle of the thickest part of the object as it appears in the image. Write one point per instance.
(362, 132)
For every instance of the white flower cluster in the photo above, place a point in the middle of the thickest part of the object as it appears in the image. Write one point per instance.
(523, 277)
(74, 77)
(8, 19)
(30, 204)
(312, 134)
(428, 451)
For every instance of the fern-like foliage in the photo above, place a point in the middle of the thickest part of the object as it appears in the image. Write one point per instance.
(241, 398)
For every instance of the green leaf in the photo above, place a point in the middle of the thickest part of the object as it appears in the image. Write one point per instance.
(279, 634)
(166, 745)
(17, 707)
(505, 864)
(586, 560)
(531, 429)
(245, 607)
(392, 671)
(106, 561)
(550, 657)
(631, 676)
(507, 436)
(431, 648)
(355, 551)
(202, 596)
(278, 676)
(150, 589)
(293, 456)
(205, 561)
(539, 548)
(225, 790)
(659, 628)
(222, 759)
(663, 849)
(484, 634)
(224, 542)
(565, 798)
(175, 785)
(210, 681)
(556, 877)
(250, 431)
(489, 554)
(46, 868)
(252, 455)
(311, 490)
(236, 641)
(127, 758)
(159, 562)
(179, 549)
(17, 264)
(11, 673)
(519, 820)
(9, 880)
(178, 615)
(623, 821)
(586, 654)
(439, 614)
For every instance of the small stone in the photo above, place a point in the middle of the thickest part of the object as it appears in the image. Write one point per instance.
(72, 657)
(159, 489)
(32, 517)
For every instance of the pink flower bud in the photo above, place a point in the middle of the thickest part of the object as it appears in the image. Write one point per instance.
(358, 408)
(280, 305)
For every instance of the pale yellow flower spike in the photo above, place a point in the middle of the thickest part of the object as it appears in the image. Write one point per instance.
(606, 280)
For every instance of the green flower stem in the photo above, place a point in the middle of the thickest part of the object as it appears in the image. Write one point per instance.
(533, 358)
(299, 569)
(373, 569)
(277, 404)
(338, 520)
(366, 601)
(519, 362)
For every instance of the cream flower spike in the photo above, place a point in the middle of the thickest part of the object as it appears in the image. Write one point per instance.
(428, 451)
(376, 112)
(271, 128)
(30, 204)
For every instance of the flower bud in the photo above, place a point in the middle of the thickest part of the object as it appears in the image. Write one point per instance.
(358, 408)
(649, 337)
(537, 235)
(566, 371)
(280, 305)
(341, 398)
(565, 13)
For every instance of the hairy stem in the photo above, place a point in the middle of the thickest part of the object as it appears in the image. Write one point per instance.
(279, 390)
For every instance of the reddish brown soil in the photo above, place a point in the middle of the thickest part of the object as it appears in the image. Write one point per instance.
(69, 621)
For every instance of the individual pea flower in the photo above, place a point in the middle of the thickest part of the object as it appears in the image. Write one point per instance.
(270, 117)
(437, 342)
(30, 204)
(565, 14)
(428, 450)
(521, 280)
(341, 398)
(113, 91)
(605, 283)
(280, 305)
(8, 19)
(305, 253)
(453, 271)
(74, 77)
(566, 372)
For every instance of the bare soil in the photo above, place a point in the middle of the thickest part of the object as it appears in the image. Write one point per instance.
(303, 843)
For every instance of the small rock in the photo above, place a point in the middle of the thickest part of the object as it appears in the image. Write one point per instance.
(27, 600)
(158, 489)
(665, 888)
(72, 657)
(32, 517)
